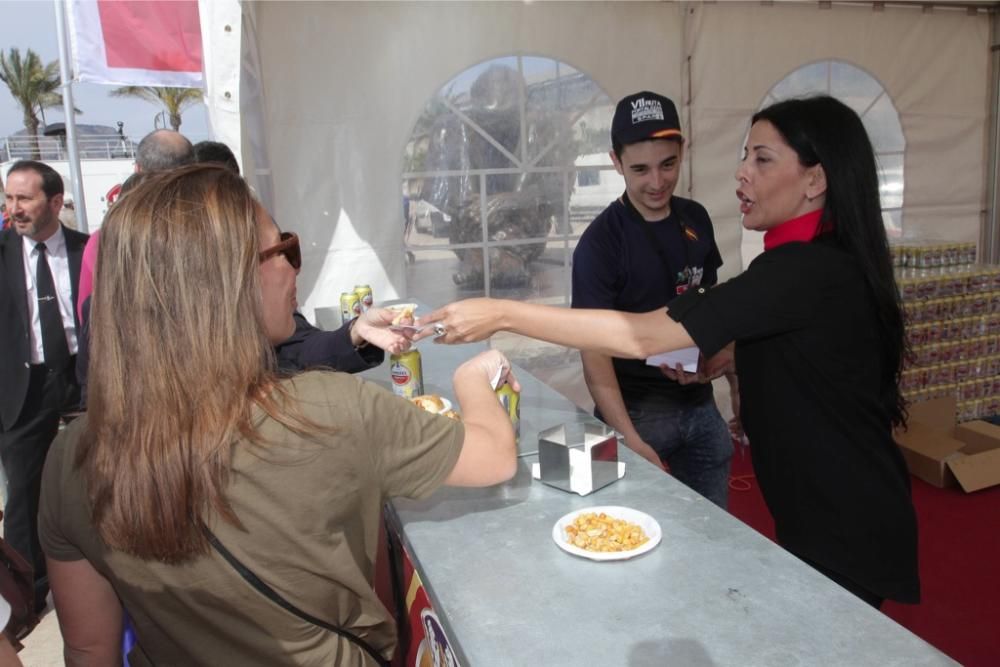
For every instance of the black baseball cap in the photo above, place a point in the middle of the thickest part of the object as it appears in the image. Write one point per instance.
(644, 116)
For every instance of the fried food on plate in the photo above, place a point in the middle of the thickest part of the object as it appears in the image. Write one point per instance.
(600, 532)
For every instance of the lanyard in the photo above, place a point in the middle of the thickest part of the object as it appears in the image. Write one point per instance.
(655, 242)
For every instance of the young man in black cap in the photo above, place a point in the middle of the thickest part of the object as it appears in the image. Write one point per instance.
(643, 250)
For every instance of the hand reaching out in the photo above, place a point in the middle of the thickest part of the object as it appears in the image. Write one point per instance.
(373, 326)
(465, 321)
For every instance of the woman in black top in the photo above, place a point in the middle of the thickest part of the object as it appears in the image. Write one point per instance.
(819, 343)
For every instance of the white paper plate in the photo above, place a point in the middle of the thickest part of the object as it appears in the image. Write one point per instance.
(648, 524)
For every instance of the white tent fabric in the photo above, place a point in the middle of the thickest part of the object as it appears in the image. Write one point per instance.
(933, 65)
(222, 47)
(331, 92)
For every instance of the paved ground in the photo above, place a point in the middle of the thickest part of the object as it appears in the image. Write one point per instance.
(43, 647)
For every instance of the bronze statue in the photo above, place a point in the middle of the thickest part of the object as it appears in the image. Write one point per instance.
(518, 205)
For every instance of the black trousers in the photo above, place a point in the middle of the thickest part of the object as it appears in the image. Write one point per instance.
(22, 453)
(863, 593)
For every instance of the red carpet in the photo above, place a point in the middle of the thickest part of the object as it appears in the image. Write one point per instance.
(959, 565)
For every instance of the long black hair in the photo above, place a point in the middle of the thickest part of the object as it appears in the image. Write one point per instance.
(823, 130)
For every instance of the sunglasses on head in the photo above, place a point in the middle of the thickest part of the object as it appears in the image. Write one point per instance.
(287, 246)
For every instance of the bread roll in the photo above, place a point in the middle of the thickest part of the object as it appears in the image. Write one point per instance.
(429, 402)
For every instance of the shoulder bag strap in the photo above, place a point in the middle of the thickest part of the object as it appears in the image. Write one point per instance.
(276, 598)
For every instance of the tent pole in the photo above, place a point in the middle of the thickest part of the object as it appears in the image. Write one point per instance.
(68, 110)
(989, 245)
(687, 10)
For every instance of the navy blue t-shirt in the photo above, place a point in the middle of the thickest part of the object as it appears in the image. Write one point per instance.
(616, 266)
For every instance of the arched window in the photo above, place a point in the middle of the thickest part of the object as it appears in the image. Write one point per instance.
(505, 167)
(862, 92)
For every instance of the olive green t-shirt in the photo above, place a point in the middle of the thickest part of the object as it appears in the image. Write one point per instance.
(311, 510)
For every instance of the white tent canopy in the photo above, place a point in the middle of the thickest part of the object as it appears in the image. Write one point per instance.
(322, 99)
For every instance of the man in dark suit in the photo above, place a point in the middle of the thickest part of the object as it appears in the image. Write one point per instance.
(39, 275)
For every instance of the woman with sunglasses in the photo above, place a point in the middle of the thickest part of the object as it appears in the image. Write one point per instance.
(194, 444)
(819, 343)
(356, 346)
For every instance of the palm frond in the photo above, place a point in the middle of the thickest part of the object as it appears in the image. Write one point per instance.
(173, 100)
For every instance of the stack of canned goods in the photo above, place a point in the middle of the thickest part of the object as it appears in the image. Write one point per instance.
(960, 350)
(962, 328)
(932, 310)
(978, 408)
(927, 255)
(952, 310)
(947, 282)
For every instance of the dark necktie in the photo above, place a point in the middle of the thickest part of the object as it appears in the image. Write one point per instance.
(53, 333)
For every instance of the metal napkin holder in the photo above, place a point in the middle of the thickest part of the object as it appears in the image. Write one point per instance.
(578, 464)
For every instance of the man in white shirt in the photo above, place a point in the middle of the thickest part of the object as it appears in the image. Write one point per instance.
(39, 276)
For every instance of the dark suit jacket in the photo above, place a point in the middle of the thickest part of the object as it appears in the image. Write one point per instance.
(15, 333)
(310, 347)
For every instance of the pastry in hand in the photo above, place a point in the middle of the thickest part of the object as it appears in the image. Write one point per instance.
(405, 316)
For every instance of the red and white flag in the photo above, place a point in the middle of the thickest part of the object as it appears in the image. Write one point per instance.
(137, 42)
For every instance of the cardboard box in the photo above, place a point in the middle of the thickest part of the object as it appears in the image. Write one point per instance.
(943, 453)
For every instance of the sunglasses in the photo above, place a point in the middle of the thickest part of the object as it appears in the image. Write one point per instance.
(289, 247)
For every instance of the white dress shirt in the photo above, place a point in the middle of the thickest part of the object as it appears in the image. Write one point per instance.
(55, 248)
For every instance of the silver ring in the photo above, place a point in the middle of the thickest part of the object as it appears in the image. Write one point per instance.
(439, 329)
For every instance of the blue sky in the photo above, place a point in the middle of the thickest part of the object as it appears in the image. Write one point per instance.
(30, 24)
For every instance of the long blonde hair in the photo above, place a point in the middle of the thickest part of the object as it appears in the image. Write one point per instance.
(179, 359)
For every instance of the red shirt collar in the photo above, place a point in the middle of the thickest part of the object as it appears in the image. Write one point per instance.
(803, 228)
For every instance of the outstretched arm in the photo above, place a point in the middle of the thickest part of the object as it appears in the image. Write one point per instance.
(609, 332)
(354, 347)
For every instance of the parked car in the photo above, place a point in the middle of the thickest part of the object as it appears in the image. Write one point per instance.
(427, 219)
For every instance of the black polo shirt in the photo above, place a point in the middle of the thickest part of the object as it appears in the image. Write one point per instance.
(809, 362)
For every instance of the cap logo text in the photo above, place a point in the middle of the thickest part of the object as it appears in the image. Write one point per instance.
(643, 110)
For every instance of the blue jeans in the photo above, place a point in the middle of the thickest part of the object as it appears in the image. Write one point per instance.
(693, 440)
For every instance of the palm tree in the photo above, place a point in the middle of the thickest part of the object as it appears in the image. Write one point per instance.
(33, 86)
(174, 100)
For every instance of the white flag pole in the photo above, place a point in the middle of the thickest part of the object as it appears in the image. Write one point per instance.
(67, 93)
